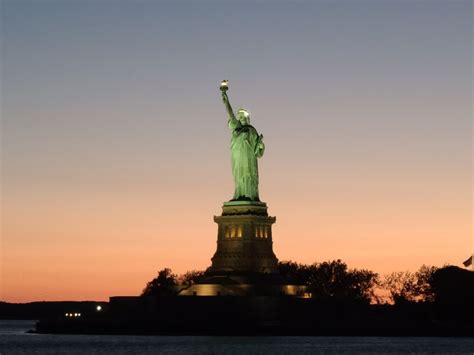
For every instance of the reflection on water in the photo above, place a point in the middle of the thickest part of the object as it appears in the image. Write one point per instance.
(14, 340)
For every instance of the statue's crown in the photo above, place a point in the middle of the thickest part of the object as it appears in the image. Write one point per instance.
(245, 112)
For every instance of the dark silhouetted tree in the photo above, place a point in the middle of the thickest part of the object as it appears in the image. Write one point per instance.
(424, 281)
(190, 277)
(404, 286)
(297, 273)
(164, 284)
(453, 293)
(401, 286)
(332, 279)
(452, 285)
(362, 284)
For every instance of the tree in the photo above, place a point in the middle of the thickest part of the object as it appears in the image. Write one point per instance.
(401, 286)
(329, 279)
(363, 283)
(424, 282)
(164, 284)
(332, 279)
(410, 287)
(190, 277)
(297, 273)
(452, 285)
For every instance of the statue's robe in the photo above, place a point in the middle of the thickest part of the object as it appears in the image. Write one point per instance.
(245, 150)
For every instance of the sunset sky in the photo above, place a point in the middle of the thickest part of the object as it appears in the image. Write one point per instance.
(115, 148)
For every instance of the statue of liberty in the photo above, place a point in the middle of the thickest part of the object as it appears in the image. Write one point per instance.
(246, 147)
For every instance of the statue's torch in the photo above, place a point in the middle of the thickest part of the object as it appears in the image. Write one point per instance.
(224, 85)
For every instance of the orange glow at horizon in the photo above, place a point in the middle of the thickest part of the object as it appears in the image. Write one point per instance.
(79, 246)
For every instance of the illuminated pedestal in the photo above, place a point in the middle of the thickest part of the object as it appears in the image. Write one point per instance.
(244, 263)
(244, 239)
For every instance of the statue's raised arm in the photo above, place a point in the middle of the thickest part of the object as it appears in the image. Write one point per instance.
(225, 99)
(230, 112)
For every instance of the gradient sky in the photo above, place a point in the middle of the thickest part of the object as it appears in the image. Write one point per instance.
(115, 149)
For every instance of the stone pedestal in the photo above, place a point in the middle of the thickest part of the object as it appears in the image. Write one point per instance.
(244, 239)
(244, 263)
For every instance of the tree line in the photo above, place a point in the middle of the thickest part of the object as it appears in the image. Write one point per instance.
(334, 280)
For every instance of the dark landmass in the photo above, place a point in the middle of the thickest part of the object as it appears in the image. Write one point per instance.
(46, 309)
(264, 315)
(437, 302)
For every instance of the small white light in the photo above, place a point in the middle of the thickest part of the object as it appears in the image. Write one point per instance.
(67, 314)
(78, 314)
(98, 308)
(75, 314)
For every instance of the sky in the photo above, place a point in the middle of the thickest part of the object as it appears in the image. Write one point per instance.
(115, 146)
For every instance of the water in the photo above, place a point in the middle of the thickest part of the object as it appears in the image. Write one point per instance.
(14, 340)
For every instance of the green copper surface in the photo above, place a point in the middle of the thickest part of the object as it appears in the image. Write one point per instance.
(246, 147)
